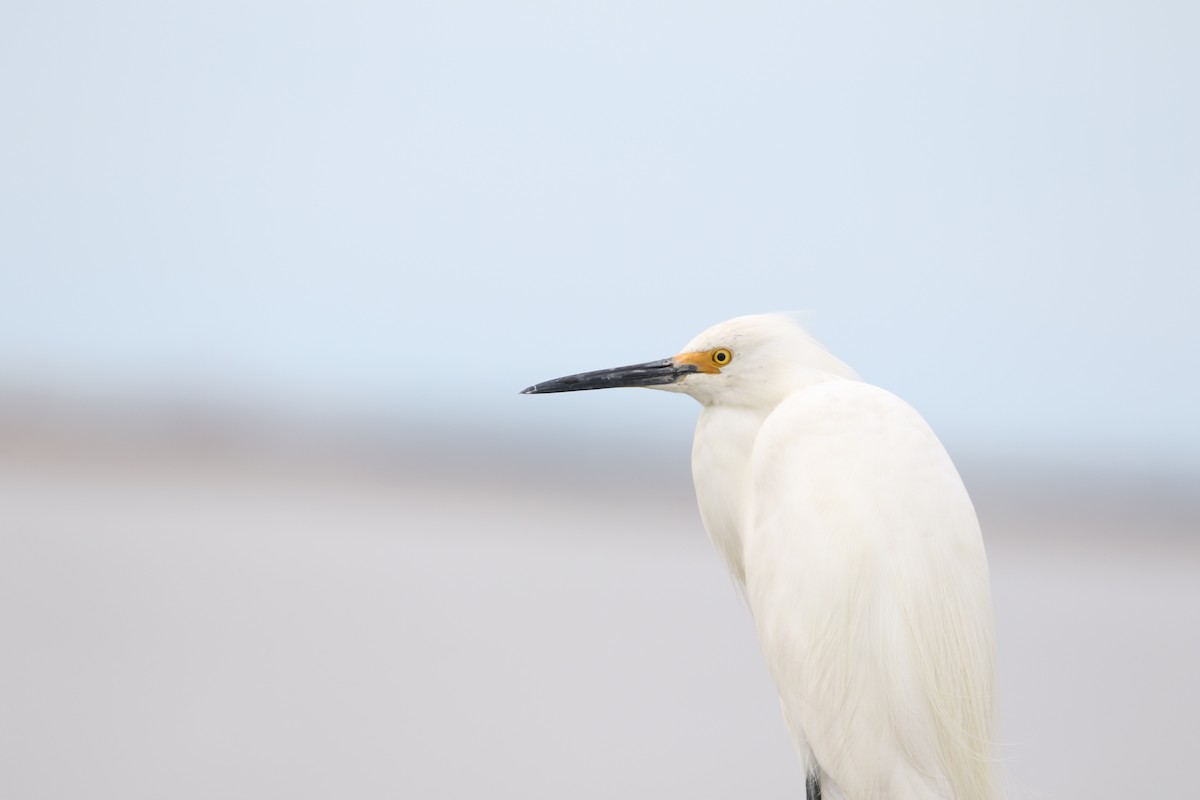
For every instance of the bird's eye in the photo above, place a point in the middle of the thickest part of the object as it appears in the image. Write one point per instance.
(722, 357)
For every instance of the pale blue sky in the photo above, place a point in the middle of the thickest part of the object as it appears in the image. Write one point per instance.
(414, 210)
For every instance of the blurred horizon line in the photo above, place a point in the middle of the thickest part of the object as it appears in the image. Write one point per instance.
(432, 451)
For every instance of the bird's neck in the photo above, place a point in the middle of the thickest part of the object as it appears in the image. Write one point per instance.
(721, 454)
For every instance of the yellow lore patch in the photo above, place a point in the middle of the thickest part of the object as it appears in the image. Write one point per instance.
(709, 361)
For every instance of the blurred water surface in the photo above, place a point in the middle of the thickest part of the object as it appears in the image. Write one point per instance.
(198, 620)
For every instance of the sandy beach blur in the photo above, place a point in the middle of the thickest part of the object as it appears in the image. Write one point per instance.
(203, 618)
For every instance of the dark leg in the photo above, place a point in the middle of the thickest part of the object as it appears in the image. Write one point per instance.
(813, 787)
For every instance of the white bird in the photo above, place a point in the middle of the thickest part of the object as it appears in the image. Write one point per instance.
(841, 516)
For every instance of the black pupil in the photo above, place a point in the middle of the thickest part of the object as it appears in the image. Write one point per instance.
(720, 356)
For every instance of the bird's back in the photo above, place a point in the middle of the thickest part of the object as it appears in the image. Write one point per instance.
(866, 573)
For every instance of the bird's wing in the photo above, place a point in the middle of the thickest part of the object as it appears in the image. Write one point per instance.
(868, 581)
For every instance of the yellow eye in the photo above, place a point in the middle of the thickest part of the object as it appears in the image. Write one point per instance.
(721, 357)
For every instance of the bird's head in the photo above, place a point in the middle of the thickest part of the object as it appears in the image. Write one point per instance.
(749, 361)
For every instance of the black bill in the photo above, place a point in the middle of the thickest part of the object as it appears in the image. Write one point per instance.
(652, 373)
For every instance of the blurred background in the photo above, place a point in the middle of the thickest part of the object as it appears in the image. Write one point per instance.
(274, 521)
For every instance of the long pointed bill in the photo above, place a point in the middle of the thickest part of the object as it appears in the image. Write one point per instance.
(651, 373)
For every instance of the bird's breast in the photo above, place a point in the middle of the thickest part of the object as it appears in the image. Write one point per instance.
(721, 454)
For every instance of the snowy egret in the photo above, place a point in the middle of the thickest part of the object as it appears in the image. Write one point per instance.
(843, 520)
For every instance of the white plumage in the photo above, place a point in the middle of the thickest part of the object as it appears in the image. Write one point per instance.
(843, 519)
